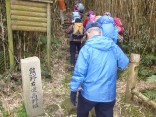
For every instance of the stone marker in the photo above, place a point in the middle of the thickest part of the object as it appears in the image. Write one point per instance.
(32, 86)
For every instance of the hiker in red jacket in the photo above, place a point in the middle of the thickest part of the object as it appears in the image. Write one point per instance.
(87, 18)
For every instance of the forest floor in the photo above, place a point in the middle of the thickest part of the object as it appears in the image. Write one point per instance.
(56, 92)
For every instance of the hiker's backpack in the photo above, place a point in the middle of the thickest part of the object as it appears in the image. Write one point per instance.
(108, 27)
(77, 31)
(75, 15)
(92, 18)
(119, 25)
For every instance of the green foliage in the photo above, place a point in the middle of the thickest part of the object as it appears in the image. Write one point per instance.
(132, 111)
(151, 78)
(144, 72)
(43, 39)
(68, 62)
(5, 77)
(151, 94)
(20, 111)
(123, 75)
(125, 47)
(149, 60)
(140, 43)
(145, 66)
(67, 78)
(4, 112)
(55, 41)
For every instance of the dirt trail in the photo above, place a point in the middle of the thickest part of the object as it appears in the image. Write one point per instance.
(56, 90)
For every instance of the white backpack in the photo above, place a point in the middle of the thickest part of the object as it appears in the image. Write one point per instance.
(74, 16)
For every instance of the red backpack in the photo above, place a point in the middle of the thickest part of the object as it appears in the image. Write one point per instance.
(119, 25)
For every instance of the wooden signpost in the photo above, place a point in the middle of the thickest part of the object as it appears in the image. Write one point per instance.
(28, 15)
(132, 80)
(133, 74)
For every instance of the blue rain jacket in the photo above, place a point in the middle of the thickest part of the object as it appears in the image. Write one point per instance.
(96, 69)
(108, 27)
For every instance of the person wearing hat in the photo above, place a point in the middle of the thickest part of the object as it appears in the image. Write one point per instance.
(108, 26)
(96, 74)
(87, 18)
(79, 7)
(75, 41)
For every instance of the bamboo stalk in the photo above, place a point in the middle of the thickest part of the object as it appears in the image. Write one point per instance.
(134, 8)
(28, 28)
(121, 8)
(28, 13)
(151, 13)
(28, 23)
(24, 47)
(144, 98)
(28, 3)
(25, 18)
(28, 8)
(3, 39)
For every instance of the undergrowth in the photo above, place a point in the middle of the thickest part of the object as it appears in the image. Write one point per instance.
(20, 111)
(151, 94)
(2, 109)
(136, 109)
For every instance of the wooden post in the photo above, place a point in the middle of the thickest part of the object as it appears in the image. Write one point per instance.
(144, 98)
(10, 37)
(48, 36)
(133, 72)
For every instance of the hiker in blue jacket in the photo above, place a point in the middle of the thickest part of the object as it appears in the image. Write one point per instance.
(96, 73)
(108, 27)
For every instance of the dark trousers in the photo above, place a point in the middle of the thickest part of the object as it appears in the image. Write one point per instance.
(102, 109)
(73, 46)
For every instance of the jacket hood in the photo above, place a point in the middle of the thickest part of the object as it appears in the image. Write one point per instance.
(107, 20)
(100, 43)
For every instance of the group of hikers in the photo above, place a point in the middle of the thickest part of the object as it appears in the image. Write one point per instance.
(95, 71)
(110, 27)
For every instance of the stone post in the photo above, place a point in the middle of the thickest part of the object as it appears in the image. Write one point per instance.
(32, 86)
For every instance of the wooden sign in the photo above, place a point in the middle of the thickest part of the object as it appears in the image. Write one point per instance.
(28, 15)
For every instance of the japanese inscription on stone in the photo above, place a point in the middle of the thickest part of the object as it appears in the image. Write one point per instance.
(32, 86)
(34, 96)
